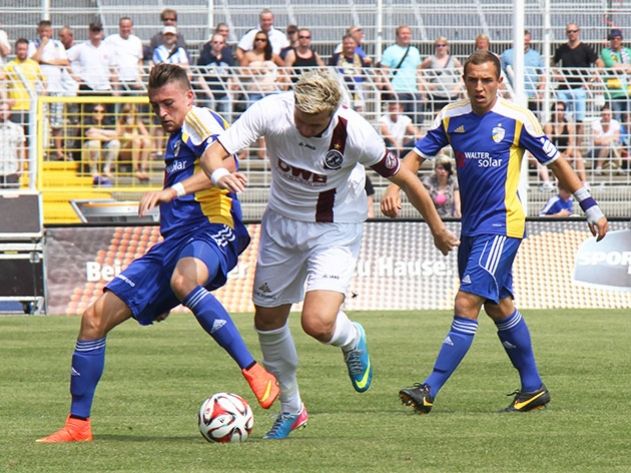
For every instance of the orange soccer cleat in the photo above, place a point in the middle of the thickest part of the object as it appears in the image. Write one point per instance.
(75, 430)
(263, 384)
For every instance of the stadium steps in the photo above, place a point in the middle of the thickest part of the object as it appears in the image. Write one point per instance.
(58, 178)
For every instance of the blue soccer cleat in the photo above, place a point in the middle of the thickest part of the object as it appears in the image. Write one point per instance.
(358, 363)
(286, 423)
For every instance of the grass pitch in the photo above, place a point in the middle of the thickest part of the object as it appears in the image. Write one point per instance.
(144, 415)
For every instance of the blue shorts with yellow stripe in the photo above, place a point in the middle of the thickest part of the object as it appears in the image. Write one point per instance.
(145, 285)
(485, 265)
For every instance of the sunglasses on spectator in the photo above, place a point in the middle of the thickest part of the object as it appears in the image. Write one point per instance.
(571, 31)
(304, 37)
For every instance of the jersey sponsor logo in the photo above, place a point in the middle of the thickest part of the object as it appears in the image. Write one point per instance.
(175, 166)
(301, 175)
(307, 145)
(483, 158)
(333, 160)
(498, 133)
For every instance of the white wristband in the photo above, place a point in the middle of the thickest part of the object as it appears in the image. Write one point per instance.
(218, 174)
(178, 187)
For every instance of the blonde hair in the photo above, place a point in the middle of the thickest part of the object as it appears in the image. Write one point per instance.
(317, 91)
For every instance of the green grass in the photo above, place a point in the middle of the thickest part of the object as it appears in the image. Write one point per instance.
(144, 415)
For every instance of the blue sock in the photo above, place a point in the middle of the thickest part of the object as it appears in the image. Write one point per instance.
(212, 316)
(515, 337)
(88, 360)
(453, 350)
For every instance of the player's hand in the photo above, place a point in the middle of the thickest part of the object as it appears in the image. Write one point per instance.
(151, 199)
(445, 241)
(599, 229)
(391, 203)
(234, 182)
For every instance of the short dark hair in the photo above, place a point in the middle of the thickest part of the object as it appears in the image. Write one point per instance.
(481, 57)
(21, 41)
(95, 26)
(164, 73)
(44, 23)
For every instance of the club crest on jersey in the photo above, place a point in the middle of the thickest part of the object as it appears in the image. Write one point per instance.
(498, 133)
(333, 160)
(176, 148)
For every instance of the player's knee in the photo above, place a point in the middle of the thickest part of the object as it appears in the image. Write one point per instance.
(318, 326)
(92, 324)
(181, 286)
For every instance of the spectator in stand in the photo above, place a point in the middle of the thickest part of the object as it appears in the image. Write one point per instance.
(5, 46)
(168, 17)
(224, 30)
(607, 149)
(102, 144)
(560, 205)
(92, 65)
(303, 55)
(442, 186)
(618, 59)
(52, 59)
(169, 51)
(349, 64)
(397, 130)
(400, 62)
(534, 79)
(276, 38)
(569, 56)
(70, 87)
(215, 79)
(561, 133)
(135, 140)
(12, 150)
(358, 35)
(482, 43)
(442, 84)
(127, 50)
(19, 96)
(292, 37)
(262, 66)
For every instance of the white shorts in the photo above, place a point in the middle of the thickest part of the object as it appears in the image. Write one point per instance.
(292, 253)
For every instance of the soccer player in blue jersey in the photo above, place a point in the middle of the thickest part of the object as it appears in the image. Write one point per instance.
(203, 237)
(489, 136)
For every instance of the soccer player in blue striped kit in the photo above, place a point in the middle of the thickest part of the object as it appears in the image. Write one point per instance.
(489, 136)
(203, 237)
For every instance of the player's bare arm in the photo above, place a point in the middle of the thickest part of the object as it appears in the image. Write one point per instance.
(444, 240)
(219, 166)
(596, 220)
(391, 200)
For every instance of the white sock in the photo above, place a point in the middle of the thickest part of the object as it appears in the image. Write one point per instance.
(281, 359)
(345, 334)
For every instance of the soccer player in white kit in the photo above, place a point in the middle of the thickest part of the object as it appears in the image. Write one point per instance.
(312, 227)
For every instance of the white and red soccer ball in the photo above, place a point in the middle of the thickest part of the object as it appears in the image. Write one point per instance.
(225, 417)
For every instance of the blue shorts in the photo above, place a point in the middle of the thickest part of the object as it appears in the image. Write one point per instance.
(485, 265)
(145, 285)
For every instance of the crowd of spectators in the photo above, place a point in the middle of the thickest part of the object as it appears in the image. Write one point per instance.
(411, 88)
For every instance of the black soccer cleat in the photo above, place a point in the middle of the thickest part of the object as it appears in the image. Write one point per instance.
(529, 401)
(417, 397)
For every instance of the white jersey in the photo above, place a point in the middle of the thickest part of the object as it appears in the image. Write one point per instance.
(53, 50)
(127, 55)
(319, 179)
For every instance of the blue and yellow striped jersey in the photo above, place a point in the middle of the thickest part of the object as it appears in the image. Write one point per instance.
(183, 150)
(489, 150)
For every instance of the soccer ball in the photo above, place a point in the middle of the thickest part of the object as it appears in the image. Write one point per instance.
(225, 417)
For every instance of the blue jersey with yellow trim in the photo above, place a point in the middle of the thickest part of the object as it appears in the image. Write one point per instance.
(489, 150)
(184, 148)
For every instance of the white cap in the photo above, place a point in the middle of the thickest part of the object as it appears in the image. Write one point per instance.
(169, 30)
